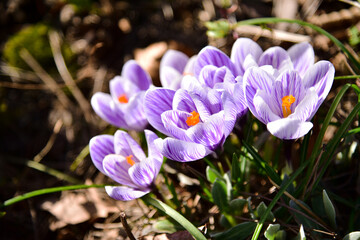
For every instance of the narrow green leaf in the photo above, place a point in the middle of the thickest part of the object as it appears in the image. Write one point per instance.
(220, 195)
(46, 191)
(239, 232)
(167, 225)
(352, 236)
(176, 216)
(83, 154)
(261, 163)
(235, 169)
(326, 157)
(317, 146)
(329, 209)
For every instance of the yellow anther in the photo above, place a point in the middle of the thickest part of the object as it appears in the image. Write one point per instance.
(193, 119)
(286, 104)
(122, 98)
(129, 160)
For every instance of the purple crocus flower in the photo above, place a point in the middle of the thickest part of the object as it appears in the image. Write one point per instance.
(174, 66)
(246, 53)
(123, 107)
(285, 100)
(123, 160)
(197, 122)
(215, 69)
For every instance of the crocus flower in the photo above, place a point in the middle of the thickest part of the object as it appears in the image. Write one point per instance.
(174, 66)
(286, 101)
(196, 122)
(123, 107)
(122, 159)
(215, 69)
(246, 53)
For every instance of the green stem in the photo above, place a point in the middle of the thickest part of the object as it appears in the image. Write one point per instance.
(43, 168)
(46, 191)
(176, 216)
(347, 77)
(257, 21)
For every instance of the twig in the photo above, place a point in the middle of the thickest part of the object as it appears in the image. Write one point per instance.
(126, 226)
(99, 79)
(50, 142)
(45, 77)
(66, 76)
(274, 34)
(17, 73)
(353, 3)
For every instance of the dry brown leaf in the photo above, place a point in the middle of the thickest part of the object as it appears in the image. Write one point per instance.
(70, 209)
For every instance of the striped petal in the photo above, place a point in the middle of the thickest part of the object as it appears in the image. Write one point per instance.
(123, 193)
(241, 49)
(157, 101)
(105, 108)
(116, 167)
(289, 128)
(101, 146)
(181, 151)
(302, 56)
(125, 146)
(136, 74)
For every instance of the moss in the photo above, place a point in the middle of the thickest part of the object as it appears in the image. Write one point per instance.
(35, 39)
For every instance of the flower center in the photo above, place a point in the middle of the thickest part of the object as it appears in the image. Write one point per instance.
(286, 104)
(123, 99)
(129, 160)
(193, 119)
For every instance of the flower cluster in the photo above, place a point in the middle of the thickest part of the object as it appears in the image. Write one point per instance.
(199, 104)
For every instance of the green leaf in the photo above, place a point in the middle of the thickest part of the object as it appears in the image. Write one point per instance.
(220, 195)
(270, 232)
(260, 211)
(2, 214)
(239, 232)
(301, 235)
(227, 178)
(176, 216)
(167, 225)
(352, 236)
(224, 221)
(307, 222)
(280, 235)
(218, 29)
(273, 232)
(212, 174)
(261, 163)
(235, 169)
(237, 206)
(329, 209)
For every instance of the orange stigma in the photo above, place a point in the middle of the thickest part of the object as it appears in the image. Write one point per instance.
(286, 104)
(129, 160)
(122, 98)
(193, 119)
